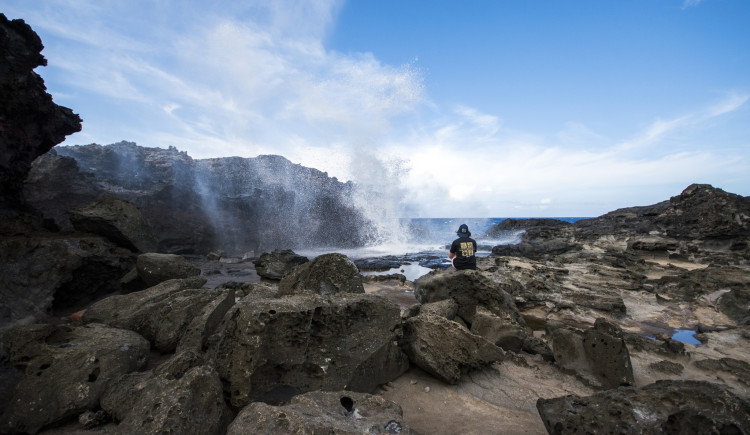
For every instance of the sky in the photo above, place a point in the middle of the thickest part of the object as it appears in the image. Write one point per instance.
(496, 108)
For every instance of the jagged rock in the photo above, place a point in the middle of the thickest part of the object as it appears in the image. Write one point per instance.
(166, 313)
(118, 221)
(30, 122)
(154, 268)
(736, 303)
(335, 412)
(278, 263)
(326, 275)
(537, 346)
(67, 369)
(469, 288)
(501, 331)
(447, 308)
(668, 367)
(662, 407)
(158, 403)
(740, 369)
(599, 356)
(445, 349)
(46, 272)
(690, 285)
(271, 349)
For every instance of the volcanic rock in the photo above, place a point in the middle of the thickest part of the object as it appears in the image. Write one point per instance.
(67, 370)
(154, 268)
(278, 263)
(118, 221)
(334, 412)
(662, 407)
(326, 275)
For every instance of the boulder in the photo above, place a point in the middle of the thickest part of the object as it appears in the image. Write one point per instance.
(154, 268)
(278, 263)
(469, 288)
(165, 313)
(501, 331)
(662, 407)
(66, 370)
(270, 349)
(330, 412)
(30, 122)
(146, 402)
(326, 275)
(599, 356)
(445, 349)
(118, 221)
(447, 308)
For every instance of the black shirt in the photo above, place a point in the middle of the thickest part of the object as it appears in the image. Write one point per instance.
(464, 248)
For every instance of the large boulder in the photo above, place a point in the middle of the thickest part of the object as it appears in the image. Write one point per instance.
(154, 268)
(66, 370)
(270, 349)
(149, 402)
(30, 122)
(330, 412)
(469, 288)
(501, 331)
(165, 313)
(276, 264)
(600, 355)
(446, 349)
(662, 407)
(118, 221)
(326, 275)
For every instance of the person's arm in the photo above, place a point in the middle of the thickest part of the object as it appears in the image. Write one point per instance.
(451, 255)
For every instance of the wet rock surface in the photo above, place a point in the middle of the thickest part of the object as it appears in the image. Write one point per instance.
(276, 264)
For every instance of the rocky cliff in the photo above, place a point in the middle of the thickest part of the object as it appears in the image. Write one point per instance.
(195, 206)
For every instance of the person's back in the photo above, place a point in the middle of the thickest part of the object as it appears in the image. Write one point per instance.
(463, 249)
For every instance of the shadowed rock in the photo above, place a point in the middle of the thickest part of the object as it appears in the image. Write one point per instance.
(326, 275)
(118, 221)
(67, 370)
(335, 412)
(662, 407)
(278, 263)
(154, 268)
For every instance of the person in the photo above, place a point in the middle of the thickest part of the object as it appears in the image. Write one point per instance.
(463, 250)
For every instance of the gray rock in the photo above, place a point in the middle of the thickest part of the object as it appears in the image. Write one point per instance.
(445, 349)
(118, 221)
(67, 370)
(326, 275)
(662, 407)
(447, 308)
(163, 314)
(501, 331)
(740, 369)
(537, 346)
(272, 349)
(278, 263)
(158, 403)
(154, 268)
(335, 412)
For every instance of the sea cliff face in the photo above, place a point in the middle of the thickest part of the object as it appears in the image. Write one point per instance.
(195, 206)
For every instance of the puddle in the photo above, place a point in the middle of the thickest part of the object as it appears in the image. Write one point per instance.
(410, 271)
(686, 336)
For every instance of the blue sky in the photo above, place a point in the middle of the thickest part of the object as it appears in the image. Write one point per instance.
(442, 108)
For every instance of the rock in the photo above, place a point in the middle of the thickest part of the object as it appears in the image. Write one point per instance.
(278, 263)
(740, 369)
(668, 367)
(150, 403)
(736, 303)
(165, 313)
(30, 122)
(334, 412)
(691, 285)
(600, 355)
(522, 224)
(154, 268)
(662, 407)
(445, 349)
(537, 346)
(326, 275)
(272, 349)
(118, 221)
(501, 331)
(469, 288)
(447, 308)
(67, 370)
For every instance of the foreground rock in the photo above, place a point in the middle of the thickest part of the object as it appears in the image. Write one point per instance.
(154, 268)
(326, 275)
(344, 412)
(270, 349)
(663, 407)
(66, 371)
(278, 263)
(120, 222)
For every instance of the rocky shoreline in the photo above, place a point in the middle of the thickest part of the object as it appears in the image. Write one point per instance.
(570, 331)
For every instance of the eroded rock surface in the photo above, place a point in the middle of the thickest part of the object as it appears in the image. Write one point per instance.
(118, 221)
(276, 264)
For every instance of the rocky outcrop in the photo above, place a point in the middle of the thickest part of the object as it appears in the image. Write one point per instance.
(328, 274)
(344, 412)
(154, 268)
(30, 122)
(276, 264)
(197, 206)
(120, 222)
(272, 349)
(662, 407)
(67, 370)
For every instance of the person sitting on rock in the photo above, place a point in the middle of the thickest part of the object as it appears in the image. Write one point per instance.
(463, 249)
